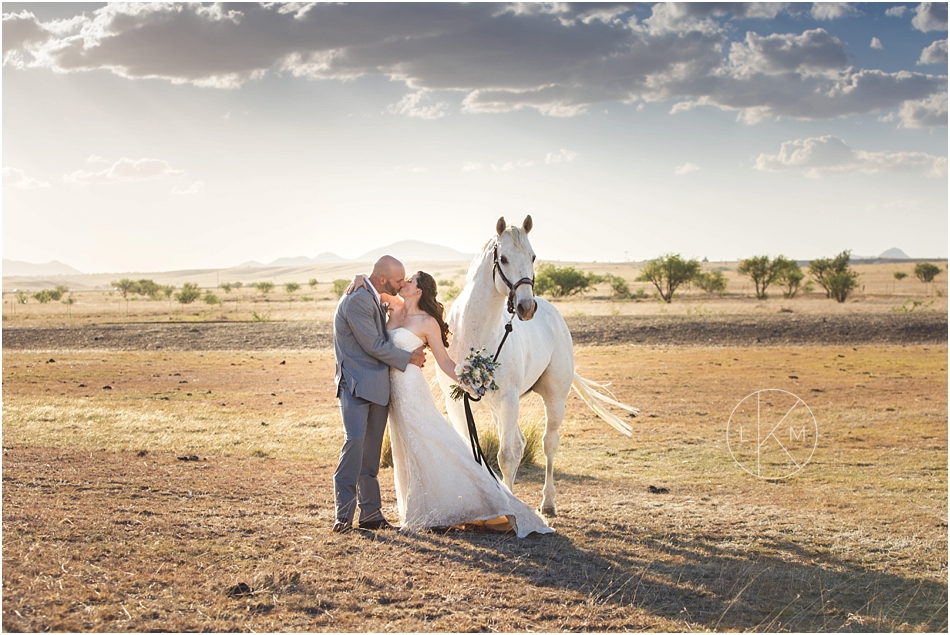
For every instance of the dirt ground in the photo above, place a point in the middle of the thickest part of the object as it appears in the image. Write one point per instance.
(156, 483)
(782, 329)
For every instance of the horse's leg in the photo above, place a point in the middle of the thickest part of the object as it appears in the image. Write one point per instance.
(511, 441)
(553, 387)
(554, 408)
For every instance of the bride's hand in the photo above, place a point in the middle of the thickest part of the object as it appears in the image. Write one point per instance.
(358, 282)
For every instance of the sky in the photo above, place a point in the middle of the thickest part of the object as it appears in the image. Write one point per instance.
(159, 137)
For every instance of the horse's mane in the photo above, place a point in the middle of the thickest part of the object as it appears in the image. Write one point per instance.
(517, 234)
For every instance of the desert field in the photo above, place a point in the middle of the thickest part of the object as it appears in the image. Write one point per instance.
(169, 468)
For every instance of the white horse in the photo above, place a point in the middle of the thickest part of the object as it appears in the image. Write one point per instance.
(538, 355)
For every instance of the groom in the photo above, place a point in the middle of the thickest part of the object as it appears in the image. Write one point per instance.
(364, 354)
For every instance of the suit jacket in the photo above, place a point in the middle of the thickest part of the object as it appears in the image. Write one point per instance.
(364, 351)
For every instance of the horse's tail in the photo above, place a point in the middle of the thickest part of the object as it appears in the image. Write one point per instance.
(593, 395)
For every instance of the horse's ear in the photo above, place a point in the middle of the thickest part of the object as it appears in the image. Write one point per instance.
(527, 224)
(500, 226)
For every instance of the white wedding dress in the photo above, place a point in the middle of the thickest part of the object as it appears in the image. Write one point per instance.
(438, 482)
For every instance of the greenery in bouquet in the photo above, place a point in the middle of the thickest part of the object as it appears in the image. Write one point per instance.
(476, 374)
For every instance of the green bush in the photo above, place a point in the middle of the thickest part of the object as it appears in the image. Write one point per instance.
(339, 286)
(226, 287)
(899, 275)
(668, 273)
(450, 293)
(619, 289)
(926, 271)
(711, 282)
(188, 294)
(763, 271)
(559, 282)
(264, 286)
(313, 283)
(824, 271)
(211, 298)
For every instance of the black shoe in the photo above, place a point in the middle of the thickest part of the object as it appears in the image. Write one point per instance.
(374, 525)
(342, 527)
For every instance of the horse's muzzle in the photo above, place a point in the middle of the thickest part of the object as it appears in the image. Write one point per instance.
(526, 309)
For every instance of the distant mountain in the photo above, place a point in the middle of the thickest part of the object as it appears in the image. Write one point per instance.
(250, 264)
(325, 258)
(415, 250)
(52, 268)
(895, 254)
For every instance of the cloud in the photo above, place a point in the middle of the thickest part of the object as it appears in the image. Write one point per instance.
(510, 166)
(896, 12)
(125, 170)
(924, 113)
(936, 53)
(472, 166)
(557, 157)
(930, 16)
(198, 187)
(830, 156)
(557, 59)
(832, 10)
(409, 106)
(876, 44)
(17, 179)
(686, 168)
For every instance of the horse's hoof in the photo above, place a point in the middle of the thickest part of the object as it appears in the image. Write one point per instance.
(548, 512)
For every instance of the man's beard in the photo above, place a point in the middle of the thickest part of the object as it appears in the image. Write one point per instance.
(390, 288)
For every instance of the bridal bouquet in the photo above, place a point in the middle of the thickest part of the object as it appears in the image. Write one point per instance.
(476, 375)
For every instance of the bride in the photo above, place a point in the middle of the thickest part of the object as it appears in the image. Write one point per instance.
(438, 482)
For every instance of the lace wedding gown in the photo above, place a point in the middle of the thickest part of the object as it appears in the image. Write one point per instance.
(438, 482)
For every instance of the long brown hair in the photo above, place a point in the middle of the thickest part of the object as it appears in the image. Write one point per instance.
(430, 304)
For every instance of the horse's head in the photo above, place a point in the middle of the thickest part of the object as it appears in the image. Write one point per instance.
(514, 267)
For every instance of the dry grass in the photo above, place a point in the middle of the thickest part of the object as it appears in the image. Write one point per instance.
(106, 529)
(96, 303)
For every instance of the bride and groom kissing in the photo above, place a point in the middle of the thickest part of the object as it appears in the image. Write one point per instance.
(381, 328)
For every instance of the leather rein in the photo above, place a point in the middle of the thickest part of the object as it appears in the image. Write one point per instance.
(496, 268)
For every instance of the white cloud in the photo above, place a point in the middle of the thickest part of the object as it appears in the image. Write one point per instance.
(924, 113)
(876, 44)
(471, 166)
(125, 170)
(930, 16)
(557, 157)
(686, 168)
(830, 156)
(896, 12)
(832, 10)
(558, 59)
(510, 166)
(814, 50)
(16, 178)
(95, 158)
(198, 187)
(936, 53)
(410, 106)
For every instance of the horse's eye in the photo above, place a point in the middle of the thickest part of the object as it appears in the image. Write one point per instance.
(504, 260)
(533, 257)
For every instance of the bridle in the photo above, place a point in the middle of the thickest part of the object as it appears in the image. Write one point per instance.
(511, 287)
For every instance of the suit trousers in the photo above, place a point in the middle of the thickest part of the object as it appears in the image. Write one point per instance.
(355, 480)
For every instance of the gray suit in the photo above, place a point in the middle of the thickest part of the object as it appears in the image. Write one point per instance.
(364, 354)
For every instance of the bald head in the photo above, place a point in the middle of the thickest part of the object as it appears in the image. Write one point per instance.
(389, 275)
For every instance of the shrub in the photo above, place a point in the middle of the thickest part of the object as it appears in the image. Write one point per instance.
(823, 268)
(313, 283)
(264, 286)
(711, 282)
(790, 277)
(450, 293)
(22, 298)
(926, 271)
(43, 296)
(559, 282)
(149, 288)
(225, 286)
(238, 284)
(899, 275)
(211, 298)
(339, 286)
(667, 273)
(841, 283)
(291, 288)
(188, 294)
(125, 286)
(764, 271)
(619, 289)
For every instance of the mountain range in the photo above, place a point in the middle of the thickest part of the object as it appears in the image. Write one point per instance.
(406, 250)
